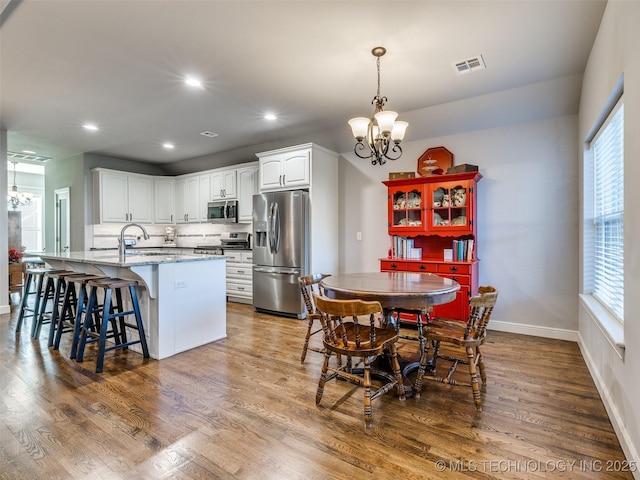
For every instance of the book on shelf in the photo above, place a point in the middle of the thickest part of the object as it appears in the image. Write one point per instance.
(462, 250)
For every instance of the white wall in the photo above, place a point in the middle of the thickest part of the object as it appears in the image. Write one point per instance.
(527, 218)
(615, 52)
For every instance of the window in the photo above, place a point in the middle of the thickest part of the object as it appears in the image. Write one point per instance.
(32, 234)
(604, 225)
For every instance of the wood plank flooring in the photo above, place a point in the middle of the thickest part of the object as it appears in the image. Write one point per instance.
(244, 408)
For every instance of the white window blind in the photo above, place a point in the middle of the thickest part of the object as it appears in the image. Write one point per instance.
(607, 153)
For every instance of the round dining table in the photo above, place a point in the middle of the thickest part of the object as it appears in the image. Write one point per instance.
(394, 290)
(397, 292)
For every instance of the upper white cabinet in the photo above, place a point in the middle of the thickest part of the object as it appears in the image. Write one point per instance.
(285, 169)
(187, 198)
(164, 199)
(123, 197)
(247, 188)
(314, 168)
(223, 185)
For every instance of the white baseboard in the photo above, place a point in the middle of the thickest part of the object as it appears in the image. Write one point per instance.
(5, 309)
(536, 331)
(626, 442)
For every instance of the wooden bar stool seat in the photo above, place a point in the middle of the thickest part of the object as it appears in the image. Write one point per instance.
(73, 306)
(109, 312)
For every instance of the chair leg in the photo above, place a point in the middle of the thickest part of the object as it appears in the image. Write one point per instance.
(368, 411)
(323, 378)
(480, 362)
(396, 371)
(306, 338)
(474, 378)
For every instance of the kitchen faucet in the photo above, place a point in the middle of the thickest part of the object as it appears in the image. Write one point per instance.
(121, 247)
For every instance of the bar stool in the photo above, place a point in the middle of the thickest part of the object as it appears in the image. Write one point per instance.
(32, 286)
(109, 315)
(53, 288)
(73, 306)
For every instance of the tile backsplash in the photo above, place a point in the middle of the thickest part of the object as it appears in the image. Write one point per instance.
(188, 235)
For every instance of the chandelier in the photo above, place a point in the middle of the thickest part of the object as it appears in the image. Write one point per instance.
(382, 132)
(16, 199)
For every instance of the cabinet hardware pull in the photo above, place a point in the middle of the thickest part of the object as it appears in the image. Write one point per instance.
(240, 271)
(455, 279)
(453, 269)
(393, 265)
(422, 267)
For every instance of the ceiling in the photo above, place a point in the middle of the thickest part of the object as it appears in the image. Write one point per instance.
(121, 65)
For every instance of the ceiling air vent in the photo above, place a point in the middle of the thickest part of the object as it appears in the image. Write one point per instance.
(466, 66)
(209, 134)
(25, 156)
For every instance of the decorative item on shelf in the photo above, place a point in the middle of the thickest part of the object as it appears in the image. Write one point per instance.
(17, 199)
(401, 175)
(381, 130)
(465, 167)
(14, 255)
(434, 161)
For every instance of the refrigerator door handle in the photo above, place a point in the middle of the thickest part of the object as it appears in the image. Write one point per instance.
(262, 270)
(271, 229)
(276, 230)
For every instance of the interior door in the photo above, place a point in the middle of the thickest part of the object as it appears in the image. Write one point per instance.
(63, 220)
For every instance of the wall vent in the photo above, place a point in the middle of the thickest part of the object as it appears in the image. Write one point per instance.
(209, 134)
(473, 63)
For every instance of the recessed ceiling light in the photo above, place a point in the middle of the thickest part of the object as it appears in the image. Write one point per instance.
(194, 82)
(30, 152)
(270, 116)
(168, 146)
(90, 126)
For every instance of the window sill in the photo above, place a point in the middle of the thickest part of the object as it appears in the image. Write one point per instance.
(610, 326)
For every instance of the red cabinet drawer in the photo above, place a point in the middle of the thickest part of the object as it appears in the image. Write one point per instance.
(461, 279)
(458, 268)
(423, 267)
(387, 265)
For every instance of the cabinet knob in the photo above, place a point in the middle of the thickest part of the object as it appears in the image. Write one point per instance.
(422, 267)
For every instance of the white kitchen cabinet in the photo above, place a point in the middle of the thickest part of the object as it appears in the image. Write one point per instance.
(164, 204)
(123, 197)
(187, 199)
(247, 188)
(239, 276)
(204, 195)
(315, 169)
(285, 169)
(223, 185)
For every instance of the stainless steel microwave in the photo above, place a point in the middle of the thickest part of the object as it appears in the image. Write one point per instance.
(225, 211)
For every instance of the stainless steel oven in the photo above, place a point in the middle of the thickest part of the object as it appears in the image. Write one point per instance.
(225, 211)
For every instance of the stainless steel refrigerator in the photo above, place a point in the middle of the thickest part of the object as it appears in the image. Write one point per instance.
(280, 251)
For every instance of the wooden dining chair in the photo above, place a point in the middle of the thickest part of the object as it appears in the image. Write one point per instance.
(309, 284)
(468, 336)
(344, 335)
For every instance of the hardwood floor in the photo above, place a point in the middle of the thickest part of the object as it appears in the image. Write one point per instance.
(243, 408)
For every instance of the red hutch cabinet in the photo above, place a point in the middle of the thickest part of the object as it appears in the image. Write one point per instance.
(431, 214)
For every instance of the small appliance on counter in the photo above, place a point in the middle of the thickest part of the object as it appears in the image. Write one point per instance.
(170, 237)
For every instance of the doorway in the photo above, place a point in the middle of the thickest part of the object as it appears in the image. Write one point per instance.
(62, 219)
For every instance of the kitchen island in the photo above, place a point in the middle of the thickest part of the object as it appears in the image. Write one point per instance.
(182, 296)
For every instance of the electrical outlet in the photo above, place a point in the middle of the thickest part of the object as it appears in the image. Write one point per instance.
(358, 235)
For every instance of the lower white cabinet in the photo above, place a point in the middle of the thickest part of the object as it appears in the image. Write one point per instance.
(239, 276)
